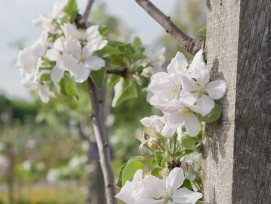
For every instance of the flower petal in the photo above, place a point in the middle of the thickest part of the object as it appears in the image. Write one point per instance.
(188, 84)
(81, 74)
(94, 63)
(154, 187)
(175, 179)
(183, 195)
(175, 119)
(204, 105)
(167, 131)
(57, 74)
(192, 125)
(216, 89)
(178, 64)
(125, 193)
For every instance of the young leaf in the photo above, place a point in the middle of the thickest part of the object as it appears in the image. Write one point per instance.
(159, 156)
(189, 142)
(124, 89)
(213, 116)
(68, 86)
(156, 171)
(98, 77)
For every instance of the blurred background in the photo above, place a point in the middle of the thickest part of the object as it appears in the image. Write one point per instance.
(47, 151)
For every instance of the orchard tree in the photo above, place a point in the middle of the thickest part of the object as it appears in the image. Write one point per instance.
(72, 51)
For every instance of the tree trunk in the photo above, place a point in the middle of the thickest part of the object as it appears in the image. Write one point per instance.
(237, 153)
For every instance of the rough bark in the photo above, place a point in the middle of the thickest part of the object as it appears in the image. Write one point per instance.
(237, 166)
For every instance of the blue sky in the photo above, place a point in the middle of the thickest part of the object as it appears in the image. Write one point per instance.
(15, 22)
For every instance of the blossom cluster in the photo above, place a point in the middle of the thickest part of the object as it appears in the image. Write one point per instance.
(62, 48)
(150, 189)
(182, 93)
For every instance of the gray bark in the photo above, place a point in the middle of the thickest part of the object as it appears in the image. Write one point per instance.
(237, 153)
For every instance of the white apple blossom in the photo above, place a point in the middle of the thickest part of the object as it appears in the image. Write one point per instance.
(80, 62)
(153, 190)
(196, 80)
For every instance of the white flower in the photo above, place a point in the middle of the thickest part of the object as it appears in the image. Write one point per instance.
(151, 189)
(196, 80)
(80, 62)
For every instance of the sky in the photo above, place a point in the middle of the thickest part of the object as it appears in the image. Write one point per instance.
(16, 23)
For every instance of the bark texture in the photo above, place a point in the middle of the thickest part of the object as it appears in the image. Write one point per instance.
(237, 153)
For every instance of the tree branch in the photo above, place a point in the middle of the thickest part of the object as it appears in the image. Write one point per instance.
(98, 124)
(103, 146)
(190, 45)
(87, 10)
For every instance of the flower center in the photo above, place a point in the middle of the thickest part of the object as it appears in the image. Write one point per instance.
(175, 91)
(185, 111)
(201, 89)
(81, 58)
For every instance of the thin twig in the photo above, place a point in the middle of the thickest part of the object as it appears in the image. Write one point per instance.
(87, 10)
(123, 72)
(190, 45)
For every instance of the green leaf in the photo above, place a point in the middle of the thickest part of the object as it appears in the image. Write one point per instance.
(159, 156)
(130, 169)
(119, 182)
(71, 9)
(202, 32)
(156, 171)
(68, 86)
(98, 77)
(189, 142)
(108, 50)
(213, 116)
(124, 89)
